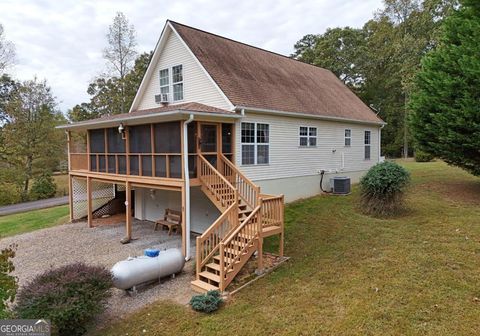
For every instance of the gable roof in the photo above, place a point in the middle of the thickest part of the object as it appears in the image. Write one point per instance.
(255, 78)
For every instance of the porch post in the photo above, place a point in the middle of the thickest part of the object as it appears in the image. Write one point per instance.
(89, 202)
(128, 213)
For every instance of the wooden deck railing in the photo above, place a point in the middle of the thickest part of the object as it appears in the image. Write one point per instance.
(208, 242)
(247, 190)
(223, 191)
(272, 211)
(232, 258)
(78, 161)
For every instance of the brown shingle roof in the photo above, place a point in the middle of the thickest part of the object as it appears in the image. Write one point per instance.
(185, 107)
(257, 78)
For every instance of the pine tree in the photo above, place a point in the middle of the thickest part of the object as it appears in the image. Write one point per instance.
(446, 103)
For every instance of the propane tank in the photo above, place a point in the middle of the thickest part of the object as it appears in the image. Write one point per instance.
(138, 270)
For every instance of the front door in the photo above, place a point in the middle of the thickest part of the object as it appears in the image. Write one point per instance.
(209, 142)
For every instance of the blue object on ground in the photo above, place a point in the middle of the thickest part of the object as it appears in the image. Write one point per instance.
(151, 252)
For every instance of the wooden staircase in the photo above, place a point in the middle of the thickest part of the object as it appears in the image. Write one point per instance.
(247, 217)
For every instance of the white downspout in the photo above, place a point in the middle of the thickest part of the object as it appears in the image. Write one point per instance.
(187, 185)
(380, 142)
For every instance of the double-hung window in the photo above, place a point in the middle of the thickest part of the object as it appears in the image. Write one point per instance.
(348, 137)
(255, 143)
(164, 81)
(367, 142)
(177, 80)
(308, 136)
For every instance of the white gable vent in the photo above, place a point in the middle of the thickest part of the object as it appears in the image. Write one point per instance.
(161, 98)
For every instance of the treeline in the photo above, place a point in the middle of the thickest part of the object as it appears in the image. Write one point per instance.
(380, 60)
(30, 146)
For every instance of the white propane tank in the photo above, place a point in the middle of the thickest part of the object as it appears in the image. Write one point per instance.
(137, 270)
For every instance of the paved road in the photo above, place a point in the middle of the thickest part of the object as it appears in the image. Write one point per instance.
(34, 205)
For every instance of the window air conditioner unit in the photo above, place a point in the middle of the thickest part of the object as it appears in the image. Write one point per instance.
(340, 185)
(161, 98)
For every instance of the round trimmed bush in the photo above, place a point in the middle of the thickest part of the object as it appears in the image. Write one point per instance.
(421, 156)
(383, 188)
(70, 296)
(206, 303)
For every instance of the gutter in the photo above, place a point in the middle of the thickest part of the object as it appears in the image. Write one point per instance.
(187, 186)
(100, 122)
(307, 115)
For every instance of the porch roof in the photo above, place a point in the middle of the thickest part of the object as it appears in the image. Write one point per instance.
(163, 113)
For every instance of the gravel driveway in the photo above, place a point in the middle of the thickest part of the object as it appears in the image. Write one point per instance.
(60, 245)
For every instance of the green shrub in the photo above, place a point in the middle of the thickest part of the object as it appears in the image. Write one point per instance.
(206, 303)
(421, 156)
(8, 283)
(70, 296)
(9, 193)
(43, 187)
(382, 189)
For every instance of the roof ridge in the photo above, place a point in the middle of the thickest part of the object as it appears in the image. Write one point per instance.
(247, 45)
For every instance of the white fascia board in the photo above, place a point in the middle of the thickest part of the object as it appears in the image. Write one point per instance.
(183, 114)
(202, 67)
(307, 115)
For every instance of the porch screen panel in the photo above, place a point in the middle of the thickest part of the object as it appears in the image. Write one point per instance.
(111, 164)
(97, 141)
(139, 138)
(160, 166)
(146, 165)
(192, 137)
(134, 165)
(167, 137)
(102, 167)
(93, 162)
(122, 164)
(115, 142)
(175, 166)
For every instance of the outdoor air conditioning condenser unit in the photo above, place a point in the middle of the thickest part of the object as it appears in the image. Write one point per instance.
(340, 185)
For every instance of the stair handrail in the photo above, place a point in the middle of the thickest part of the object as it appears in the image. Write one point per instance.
(247, 190)
(233, 190)
(228, 259)
(273, 211)
(207, 244)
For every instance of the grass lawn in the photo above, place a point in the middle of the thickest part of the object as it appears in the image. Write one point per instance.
(33, 220)
(350, 274)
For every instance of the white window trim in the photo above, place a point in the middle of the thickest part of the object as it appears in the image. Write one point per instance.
(160, 79)
(369, 145)
(350, 137)
(170, 82)
(255, 144)
(308, 136)
(182, 82)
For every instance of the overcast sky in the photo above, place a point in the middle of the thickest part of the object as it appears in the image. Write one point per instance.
(62, 40)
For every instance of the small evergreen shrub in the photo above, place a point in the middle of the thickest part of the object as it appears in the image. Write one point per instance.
(206, 303)
(421, 156)
(43, 187)
(70, 296)
(382, 189)
(8, 282)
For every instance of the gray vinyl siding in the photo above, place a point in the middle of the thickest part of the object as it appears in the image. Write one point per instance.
(196, 84)
(288, 159)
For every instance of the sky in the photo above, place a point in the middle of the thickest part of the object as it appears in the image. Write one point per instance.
(62, 40)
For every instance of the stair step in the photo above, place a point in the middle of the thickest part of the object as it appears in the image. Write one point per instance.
(213, 266)
(239, 243)
(217, 258)
(202, 286)
(246, 211)
(210, 275)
